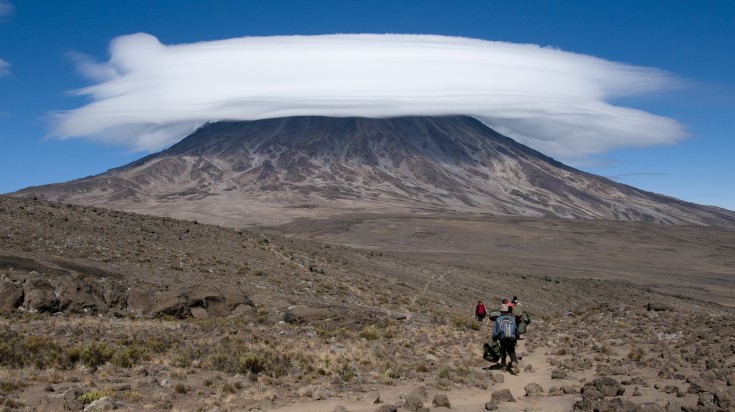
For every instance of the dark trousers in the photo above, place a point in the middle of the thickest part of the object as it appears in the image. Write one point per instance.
(508, 347)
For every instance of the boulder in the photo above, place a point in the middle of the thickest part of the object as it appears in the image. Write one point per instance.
(491, 406)
(503, 396)
(534, 389)
(420, 393)
(554, 391)
(569, 390)
(171, 303)
(558, 374)
(245, 312)
(40, 295)
(413, 403)
(608, 386)
(305, 314)
(11, 294)
(199, 312)
(77, 296)
(441, 401)
(140, 301)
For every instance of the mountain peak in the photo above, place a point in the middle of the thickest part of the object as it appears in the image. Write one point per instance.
(276, 170)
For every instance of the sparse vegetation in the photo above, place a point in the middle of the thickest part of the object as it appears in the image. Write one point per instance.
(367, 320)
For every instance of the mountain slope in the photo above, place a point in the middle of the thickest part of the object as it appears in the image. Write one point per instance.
(276, 170)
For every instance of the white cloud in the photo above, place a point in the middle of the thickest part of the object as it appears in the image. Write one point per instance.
(6, 9)
(4, 68)
(149, 95)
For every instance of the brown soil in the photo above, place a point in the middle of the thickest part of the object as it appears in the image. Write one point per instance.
(386, 320)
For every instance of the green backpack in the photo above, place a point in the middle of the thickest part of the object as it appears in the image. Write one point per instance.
(491, 351)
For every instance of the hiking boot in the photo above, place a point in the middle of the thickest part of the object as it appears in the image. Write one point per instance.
(502, 364)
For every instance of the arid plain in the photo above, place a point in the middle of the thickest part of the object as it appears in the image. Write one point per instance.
(103, 309)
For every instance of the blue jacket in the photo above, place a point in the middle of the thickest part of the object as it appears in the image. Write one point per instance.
(496, 328)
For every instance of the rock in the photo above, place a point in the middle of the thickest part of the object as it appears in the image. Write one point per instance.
(657, 307)
(208, 298)
(498, 378)
(534, 389)
(706, 399)
(199, 312)
(528, 368)
(140, 301)
(387, 408)
(558, 374)
(373, 397)
(71, 400)
(102, 404)
(554, 391)
(491, 406)
(590, 392)
(441, 401)
(11, 294)
(503, 396)
(40, 296)
(608, 386)
(671, 389)
(637, 391)
(667, 372)
(340, 408)
(79, 297)
(569, 390)
(305, 314)
(171, 303)
(245, 312)
(695, 387)
(724, 399)
(420, 393)
(413, 403)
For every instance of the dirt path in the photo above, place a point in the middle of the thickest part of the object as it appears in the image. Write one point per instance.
(467, 399)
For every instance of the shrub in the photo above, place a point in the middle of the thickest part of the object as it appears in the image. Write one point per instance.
(346, 372)
(262, 314)
(250, 362)
(369, 332)
(95, 395)
(635, 354)
(92, 356)
(129, 357)
(180, 388)
(41, 352)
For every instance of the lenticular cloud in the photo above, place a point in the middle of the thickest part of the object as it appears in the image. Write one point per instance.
(149, 95)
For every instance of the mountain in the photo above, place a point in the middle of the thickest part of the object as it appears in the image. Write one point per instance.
(273, 171)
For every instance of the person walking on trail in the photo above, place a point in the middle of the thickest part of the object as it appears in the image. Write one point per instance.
(506, 333)
(480, 311)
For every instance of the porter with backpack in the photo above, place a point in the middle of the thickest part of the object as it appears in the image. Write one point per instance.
(506, 332)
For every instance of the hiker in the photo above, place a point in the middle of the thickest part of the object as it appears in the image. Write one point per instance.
(514, 301)
(506, 333)
(480, 311)
(507, 302)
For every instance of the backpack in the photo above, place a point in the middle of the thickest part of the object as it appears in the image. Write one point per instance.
(507, 328)
(525, 318)
(481, 309)
(491, 351)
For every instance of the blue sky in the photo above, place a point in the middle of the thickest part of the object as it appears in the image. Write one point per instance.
(693, 42)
